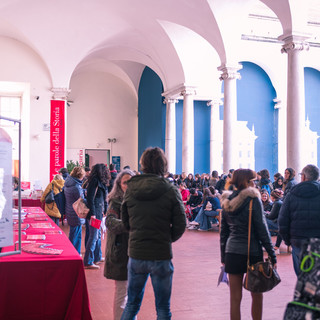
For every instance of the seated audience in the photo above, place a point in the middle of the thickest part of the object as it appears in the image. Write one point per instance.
(278, 183)
(266, 202)
(190, 181)
(208, 211)
(195, 202)
(272, 217)
(264, 180)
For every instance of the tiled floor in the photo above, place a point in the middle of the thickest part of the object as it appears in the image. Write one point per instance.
(195, 293)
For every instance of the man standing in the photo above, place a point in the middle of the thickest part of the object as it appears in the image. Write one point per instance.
(153, 213)
(299, 217)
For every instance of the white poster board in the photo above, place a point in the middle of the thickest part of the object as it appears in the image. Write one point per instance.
(6, 226)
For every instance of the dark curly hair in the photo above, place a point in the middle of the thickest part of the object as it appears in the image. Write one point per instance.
(100, 172)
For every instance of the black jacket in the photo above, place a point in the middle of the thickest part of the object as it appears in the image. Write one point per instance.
(154, 214)
(117, 244)
(234, 225)
(299, 217)
(274, 213)
(96, 199)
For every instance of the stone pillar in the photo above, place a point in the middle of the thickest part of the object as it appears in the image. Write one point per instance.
(294, 46)
(170, 143)
(188, 131)
(215, 143)
(230, 144)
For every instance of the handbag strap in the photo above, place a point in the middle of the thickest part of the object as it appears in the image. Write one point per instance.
(249, 230)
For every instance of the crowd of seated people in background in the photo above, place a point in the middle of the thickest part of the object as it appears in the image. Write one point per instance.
(201, 196)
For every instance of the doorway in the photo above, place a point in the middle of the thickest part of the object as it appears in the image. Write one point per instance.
(94, 156)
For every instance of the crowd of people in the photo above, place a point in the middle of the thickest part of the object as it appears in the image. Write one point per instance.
(146, 212)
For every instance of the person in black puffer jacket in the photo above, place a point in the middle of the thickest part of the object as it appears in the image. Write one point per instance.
(299, 217)
(97, 191)
(153, 212)
(234, 237)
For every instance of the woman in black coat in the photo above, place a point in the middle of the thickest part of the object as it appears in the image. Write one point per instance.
(117, 244)
(96, 200)
(234, 238)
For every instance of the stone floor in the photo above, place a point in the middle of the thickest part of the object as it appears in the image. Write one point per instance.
(195, 292)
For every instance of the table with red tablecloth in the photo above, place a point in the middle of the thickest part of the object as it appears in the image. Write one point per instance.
(30, 203)
(38, 286)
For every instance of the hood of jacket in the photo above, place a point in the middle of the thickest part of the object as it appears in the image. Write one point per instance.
(306, 189)
(232, 201)
(71, 181)
(148, 187)
(58, 183)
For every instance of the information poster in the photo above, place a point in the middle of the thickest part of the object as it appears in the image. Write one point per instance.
(57, 137)
(116, 162)
(6, 230)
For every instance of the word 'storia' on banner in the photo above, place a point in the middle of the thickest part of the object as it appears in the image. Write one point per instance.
(57, 136)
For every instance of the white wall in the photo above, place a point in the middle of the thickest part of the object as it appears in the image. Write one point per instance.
(104, 107)
(18, 63)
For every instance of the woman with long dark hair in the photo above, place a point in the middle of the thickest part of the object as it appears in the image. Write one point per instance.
(234, 238)
(289, 180)
(117, 243)
(96, 199)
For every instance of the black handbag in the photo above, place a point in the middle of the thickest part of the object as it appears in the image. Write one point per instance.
(49, 197)
(260, 277)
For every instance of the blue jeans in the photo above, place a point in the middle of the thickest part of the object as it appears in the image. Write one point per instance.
(93, 248)
(203, 218)
(273, 226)
(75, 237)
(296, 259)
(161, 272)
(55, 220)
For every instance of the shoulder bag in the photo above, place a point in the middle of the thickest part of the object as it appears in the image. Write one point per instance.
(50, 196)
(260, 277)
(80, 207)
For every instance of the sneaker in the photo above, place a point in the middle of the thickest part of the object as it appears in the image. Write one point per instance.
(204, 230)
(92, 266)
(102, 260)
(193, 228)
(194, 223)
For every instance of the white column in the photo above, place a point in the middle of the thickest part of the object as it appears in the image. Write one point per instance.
(170, 143)
(293, 46)
(188, 131)
(215, 152)
(230, 144)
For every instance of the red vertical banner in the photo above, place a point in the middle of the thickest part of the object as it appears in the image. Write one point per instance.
(57, 136)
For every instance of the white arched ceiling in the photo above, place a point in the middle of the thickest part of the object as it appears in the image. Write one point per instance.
(198, 58)
(67, 33)
(105, 66)
(293, 14)
(230, 23)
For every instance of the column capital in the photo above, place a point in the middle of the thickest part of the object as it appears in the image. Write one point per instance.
(188, 91)
(294, 42)
(214, 103)
(230, 72)
(60, 93)
(170, 100)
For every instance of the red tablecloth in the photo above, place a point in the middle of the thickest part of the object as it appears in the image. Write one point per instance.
(30, 203)
(38, 287)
